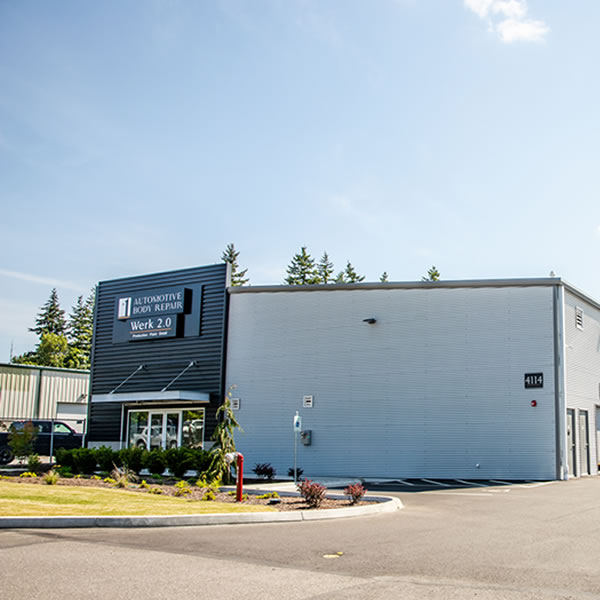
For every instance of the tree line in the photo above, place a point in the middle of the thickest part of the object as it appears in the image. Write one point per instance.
(66, 341)
(303, 269)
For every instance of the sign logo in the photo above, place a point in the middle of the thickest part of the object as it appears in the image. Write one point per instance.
(124, 310)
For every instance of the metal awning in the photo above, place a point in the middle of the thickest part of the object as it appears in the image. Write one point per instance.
(166, 396)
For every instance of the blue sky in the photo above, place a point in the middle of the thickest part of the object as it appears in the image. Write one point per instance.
(144, 136)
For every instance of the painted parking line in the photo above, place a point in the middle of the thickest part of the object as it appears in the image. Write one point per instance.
(473, 483)
(404, 482)
(433, 482)
(501, 482)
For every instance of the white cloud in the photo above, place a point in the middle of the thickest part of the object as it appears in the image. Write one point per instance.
(513, 30)
(479, 7)
(42, 280)
(508, 20)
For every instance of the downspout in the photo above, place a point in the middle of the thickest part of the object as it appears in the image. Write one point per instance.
(560, 384)
(38, 396)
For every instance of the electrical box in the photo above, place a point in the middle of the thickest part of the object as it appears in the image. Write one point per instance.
(306, 437)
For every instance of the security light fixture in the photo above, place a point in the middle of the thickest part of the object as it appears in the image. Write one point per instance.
(370, 321)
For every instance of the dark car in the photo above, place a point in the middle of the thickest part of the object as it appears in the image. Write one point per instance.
(48, 433)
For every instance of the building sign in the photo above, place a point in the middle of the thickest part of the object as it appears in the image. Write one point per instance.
(147, 304)
(534, 380)
(154, 314)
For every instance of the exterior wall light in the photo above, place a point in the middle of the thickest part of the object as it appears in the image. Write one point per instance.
(370, 321)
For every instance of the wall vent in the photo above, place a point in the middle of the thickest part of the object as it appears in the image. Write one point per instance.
(579, 317)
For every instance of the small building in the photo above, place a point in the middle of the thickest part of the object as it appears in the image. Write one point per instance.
(492, 379)
(37, 392)
(158, 358)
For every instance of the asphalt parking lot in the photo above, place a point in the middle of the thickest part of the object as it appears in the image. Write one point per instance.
(515, 541)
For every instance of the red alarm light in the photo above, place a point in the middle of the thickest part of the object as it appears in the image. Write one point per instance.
(534, 403)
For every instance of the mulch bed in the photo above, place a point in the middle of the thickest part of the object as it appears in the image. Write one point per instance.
(168, 488)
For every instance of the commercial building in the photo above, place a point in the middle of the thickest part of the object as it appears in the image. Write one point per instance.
(453, 379)
(36, 392)
(158, 358)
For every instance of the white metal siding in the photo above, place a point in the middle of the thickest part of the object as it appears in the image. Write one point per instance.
(433, 389)
(582, 360)
(19, 391)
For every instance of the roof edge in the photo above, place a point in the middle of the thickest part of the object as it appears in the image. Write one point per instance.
(458, 283)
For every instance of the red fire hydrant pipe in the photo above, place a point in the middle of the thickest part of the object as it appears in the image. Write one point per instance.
(240, 476)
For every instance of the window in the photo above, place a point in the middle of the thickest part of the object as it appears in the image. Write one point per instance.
(166, 428)
(579, 318)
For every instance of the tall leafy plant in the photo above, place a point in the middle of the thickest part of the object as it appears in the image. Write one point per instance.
(223, 438)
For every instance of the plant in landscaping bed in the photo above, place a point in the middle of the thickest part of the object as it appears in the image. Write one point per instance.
(155, 461)
(28, 474)
(34, 464)
(122, 476)
(65, 459)
(356, 491)
(264, 471)
(223, 438)
(268, 495)
(84, 460)
(106, 457)
(299, 472)
(21, 440)
(209, 496)
(182, 488)
(312, 492)
(131, 458)
(64, 471)
(109, 480)
(51, 477)
(179, 460)
(210, 488)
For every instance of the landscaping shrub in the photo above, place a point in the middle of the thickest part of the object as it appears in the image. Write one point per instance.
(356, 491)
(84, 460)
(51, 477)
(21, 440)
(123, 476)
(155, 461)
(34, 463)
(180, 460)
(65, 458)
(202, 460)
(131, 458)
(106, 458)
(312, 492)
(299, 472)
(264, 471)
(182, 488)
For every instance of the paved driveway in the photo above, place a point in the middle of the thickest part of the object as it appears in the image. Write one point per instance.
(509, 542)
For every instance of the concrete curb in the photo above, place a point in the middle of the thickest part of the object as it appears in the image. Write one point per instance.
(380, 504)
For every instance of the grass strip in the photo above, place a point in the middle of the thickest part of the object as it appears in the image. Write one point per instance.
(34, 500)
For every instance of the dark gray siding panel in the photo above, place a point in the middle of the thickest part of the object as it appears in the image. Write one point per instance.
(163, 359)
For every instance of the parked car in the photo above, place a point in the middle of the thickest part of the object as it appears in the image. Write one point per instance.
(141, 439)
(48, 433)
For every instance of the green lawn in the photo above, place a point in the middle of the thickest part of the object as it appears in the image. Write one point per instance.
(35, 500)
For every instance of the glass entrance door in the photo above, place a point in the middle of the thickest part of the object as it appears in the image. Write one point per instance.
(156, 430)
(169, 428)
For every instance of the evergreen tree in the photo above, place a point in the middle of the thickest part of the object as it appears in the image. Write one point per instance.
(231, 256)
(302, 270)
(51, 318)
(349, 275)
(432, 275)
(384, 277)
(80, 330)
(325, 269)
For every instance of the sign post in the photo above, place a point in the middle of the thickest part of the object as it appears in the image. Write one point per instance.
(297, 430)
